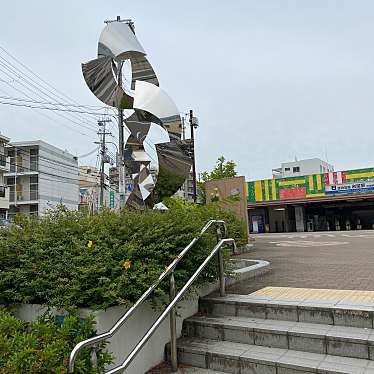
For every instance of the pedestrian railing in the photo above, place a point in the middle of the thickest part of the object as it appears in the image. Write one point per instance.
(170, 309)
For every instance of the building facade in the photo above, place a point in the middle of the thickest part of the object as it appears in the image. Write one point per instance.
(186, 192)
(4, 167)
(40, 177)
(302, 167)
(342, 200)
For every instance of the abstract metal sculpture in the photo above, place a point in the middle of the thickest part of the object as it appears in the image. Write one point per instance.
(150, 104)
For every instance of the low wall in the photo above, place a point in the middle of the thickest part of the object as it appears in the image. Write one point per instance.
(129, 335)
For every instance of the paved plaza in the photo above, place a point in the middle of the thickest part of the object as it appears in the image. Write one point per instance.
(334, 260)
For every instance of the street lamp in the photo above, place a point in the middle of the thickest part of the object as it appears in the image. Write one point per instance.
(194, 123)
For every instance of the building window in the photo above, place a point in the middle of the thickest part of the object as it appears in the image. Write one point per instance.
(19, 161)
(34, 187)
(12, 161)
(34, 210)
(10, 181)
(296, 169)
(2, 160)
(34, 153)
(286, 169)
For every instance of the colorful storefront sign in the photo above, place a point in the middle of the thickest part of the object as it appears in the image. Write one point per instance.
(310, 186)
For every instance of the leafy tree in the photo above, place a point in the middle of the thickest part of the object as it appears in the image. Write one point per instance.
(223, 169)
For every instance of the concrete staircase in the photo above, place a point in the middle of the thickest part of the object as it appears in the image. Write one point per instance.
(244, 334)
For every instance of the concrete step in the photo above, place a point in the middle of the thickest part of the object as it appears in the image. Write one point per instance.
(355, 342)
(195, 370)
(311, 311)
(237, 358)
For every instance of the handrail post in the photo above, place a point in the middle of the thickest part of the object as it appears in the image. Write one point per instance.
(173, 328)
(93, 357)
(221, 268)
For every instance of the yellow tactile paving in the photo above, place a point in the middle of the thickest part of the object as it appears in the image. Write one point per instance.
(305, 294)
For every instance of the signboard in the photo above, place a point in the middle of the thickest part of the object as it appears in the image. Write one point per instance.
(292, 193)
(361, 186)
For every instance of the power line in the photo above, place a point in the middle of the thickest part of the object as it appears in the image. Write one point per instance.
(57, 103)
(88, 154)
(49, 108)
(50, 118)
(41, 88)
(39, 92)
(36, 75)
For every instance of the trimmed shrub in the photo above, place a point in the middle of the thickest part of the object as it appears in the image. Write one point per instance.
(71, 259)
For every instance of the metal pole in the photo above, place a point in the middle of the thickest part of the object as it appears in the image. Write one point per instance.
(193, 157)
(121, 147)
(102, 166)
(221, 269)
(15, 178)
(102, 133)
(173, 328)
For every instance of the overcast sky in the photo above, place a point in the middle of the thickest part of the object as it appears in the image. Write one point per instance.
(269, 80)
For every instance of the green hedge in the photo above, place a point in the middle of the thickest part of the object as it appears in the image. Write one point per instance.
(71, 259)
(43, 347)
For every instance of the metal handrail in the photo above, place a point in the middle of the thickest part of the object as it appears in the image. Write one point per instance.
(169, 308)
(169, 271)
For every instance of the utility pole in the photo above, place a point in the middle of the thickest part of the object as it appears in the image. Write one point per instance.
(121, 145)
(193, 125)
(183, 129)
(102, 133)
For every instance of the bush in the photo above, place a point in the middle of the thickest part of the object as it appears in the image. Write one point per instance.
(43, 347)
(71, 259)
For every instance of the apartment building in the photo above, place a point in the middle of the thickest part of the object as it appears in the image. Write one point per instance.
(186, 192)
(299, 168)
(40, 177)
(4, 167)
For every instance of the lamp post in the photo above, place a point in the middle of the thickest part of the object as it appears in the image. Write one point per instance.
(194, 123)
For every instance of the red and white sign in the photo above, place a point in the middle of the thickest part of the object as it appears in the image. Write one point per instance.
(292, 193)
(336, 177)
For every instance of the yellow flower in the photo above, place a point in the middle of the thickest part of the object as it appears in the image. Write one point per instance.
(90, 244)
(127, 264)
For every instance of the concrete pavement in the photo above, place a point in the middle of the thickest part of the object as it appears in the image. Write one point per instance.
(335, 260)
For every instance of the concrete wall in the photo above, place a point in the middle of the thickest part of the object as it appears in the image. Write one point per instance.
(129, 335)
(300, 218)
(232, 192)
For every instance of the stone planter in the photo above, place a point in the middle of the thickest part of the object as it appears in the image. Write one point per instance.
(129, 335)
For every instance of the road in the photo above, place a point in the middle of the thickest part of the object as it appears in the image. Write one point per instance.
(337, 260)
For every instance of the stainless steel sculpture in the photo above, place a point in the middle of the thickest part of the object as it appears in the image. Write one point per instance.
(150, 104)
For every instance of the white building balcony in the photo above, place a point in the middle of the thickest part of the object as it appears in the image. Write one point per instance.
(24, 197)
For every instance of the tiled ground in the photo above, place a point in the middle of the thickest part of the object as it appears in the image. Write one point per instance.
(341, 260)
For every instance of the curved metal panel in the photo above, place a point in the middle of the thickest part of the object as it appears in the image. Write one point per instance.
(100, 78)
(155, 100)
(151, 104)
(116, 40)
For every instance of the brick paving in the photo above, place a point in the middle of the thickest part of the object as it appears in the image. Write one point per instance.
(341, 260)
